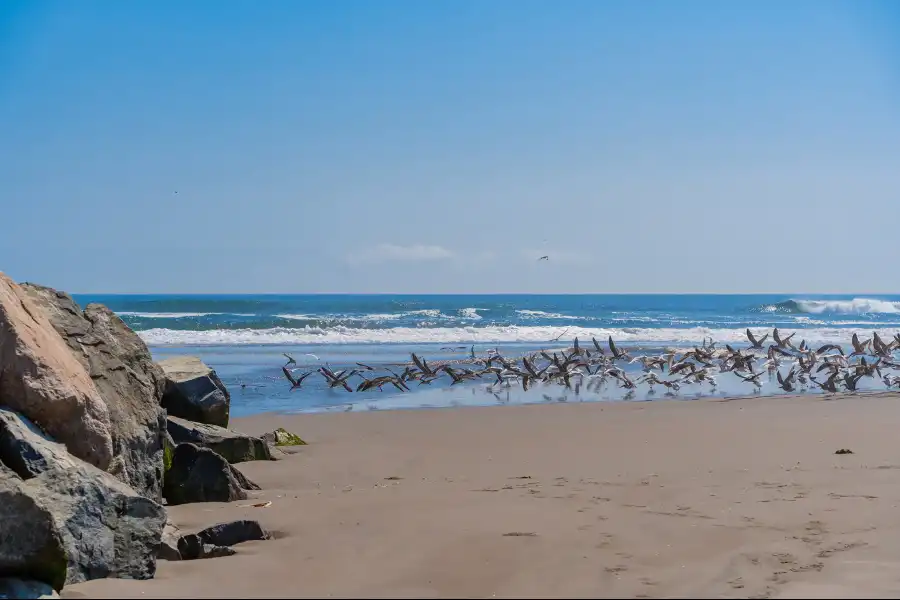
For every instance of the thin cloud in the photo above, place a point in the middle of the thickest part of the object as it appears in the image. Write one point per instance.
(383, 253)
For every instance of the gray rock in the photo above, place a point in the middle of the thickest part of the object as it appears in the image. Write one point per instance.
(40, 378)
(235, 532)
(98, 527)
(30, 543)
(193, 391)
(127, 379)
(20, 589)
(232, 446)
(168, 544)
(200, 475)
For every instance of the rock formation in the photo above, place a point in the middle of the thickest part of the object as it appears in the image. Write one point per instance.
(40, 378)
(194, 392)
(65, 521)
(127, 379)
(232, 446)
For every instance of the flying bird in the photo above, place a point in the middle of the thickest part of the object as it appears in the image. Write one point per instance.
(545, 257)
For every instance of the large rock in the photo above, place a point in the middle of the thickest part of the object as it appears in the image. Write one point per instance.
(232, 446)
(30, 543)
(200, 475)
(65, 521)
(233, 533)
(40, 378)
(20, 589)
(127, 379)
(194, 391)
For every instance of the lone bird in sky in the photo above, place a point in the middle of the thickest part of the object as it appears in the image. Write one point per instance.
(545, 257)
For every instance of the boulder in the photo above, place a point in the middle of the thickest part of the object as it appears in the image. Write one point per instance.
(40, 378)
(235, 532)
(65, 521)
(232, 446)
(30, 542)
(127, 379)
(193, 391)
(20, 589)
(200, 475)
(217, 540)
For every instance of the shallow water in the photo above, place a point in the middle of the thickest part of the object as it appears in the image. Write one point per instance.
(243, 338)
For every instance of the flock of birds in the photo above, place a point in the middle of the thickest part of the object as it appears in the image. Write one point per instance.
(829, 367)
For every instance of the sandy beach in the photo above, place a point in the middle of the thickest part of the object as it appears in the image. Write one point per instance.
(710, 498)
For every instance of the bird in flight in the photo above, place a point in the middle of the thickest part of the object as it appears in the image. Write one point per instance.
(545, 257)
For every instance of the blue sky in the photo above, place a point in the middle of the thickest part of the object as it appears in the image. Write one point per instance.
(441, 146)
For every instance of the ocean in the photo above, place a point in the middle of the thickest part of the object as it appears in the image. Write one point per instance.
(243, 337)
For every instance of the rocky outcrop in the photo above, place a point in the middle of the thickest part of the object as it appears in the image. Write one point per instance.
(126, 378)
(64, 521)
(232, 446)
(40, 378)
(200, 475)
(194, 392)
(16, 589)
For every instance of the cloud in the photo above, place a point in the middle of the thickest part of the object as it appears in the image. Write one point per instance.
(393, 253)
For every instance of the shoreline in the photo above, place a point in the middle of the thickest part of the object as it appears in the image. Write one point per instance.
(717, 497)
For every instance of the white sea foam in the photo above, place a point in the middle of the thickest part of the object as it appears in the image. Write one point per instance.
(857, 306)
(470, 313)
(492, 334)
(540, 314)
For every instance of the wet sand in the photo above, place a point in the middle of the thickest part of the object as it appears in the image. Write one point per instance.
(702, 498)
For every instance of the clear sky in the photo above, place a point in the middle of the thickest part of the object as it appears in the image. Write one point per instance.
(442, 146)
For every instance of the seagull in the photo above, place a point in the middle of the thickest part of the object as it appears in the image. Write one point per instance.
(290, 358)
(545, 257)
(295, 383)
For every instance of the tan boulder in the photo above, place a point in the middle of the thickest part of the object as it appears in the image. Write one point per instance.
(42, 379)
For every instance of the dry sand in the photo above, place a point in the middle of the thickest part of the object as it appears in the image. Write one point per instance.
(707, 498)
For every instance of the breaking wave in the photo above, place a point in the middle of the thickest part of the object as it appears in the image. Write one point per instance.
(453, 335)
(856, 306)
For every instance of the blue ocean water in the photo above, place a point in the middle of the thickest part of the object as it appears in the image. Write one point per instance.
(243, 336)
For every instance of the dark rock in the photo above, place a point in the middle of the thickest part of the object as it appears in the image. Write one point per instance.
(98, 527)
(127, 379)
(232, 446)
(193, 391)
(235, 532)
(20, 589)
(201, 475)
(40, 378)
(242, 480)
(30, 543)
(190, 546)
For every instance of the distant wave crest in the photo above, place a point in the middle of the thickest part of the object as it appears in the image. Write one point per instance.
(856, 306)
